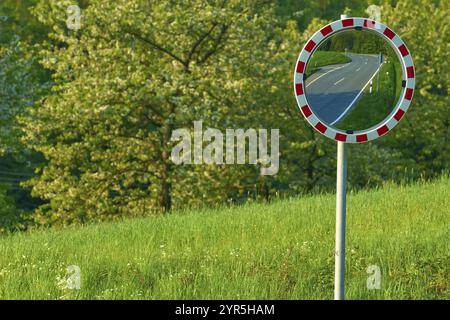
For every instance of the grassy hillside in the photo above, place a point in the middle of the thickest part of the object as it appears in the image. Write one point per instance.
(282, 250)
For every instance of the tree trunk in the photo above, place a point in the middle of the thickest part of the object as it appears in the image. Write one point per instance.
(166, 183)
(263, 188)
(166, 188)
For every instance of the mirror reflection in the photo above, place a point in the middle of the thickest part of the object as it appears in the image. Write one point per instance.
(353, 80)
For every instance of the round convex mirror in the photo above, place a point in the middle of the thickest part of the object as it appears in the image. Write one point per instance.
(354, 80)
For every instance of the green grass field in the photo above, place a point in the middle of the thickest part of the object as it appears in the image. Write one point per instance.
(325, 58)
(282, 250)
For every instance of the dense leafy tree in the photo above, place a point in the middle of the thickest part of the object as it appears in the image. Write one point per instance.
(22, 82)
(19, 82)
(10, 216)
(20, 87)
(304, 11)
(16, 21)
(423, 136)
(136, 71)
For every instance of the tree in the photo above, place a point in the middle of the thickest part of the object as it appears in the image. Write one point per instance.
(19, 88)
(304, 12)
(17, 22)
(134, 72)
(423, 136)
(10, 216)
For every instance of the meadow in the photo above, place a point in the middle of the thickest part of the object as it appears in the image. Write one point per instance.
(278, 250)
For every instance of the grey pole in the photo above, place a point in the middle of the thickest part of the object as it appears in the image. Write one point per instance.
(341, 189)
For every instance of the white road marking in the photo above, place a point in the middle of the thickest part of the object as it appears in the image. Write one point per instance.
(358, 69)
(325, 74)
(357, 96)
(338, 81)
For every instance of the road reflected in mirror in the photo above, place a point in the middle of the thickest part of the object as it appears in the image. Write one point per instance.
(353, 80)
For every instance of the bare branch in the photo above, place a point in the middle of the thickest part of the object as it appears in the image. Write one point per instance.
(158, 47)
(216, 46)
(200, 40)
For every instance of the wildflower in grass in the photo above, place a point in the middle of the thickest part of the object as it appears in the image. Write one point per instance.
(4, 272)
(235, 252)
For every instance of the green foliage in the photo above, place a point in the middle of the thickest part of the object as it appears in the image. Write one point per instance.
(282, 250)
(304, 12)
(120, 90)
(21, 84)
(18, 22)
(423, 136)
(19, 87)
(357, 42)
(10, 216)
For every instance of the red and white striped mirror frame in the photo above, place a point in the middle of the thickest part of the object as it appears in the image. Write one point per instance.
(408, 82)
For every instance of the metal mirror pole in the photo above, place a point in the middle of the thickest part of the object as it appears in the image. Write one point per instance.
(312, 105)
(341, 190)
